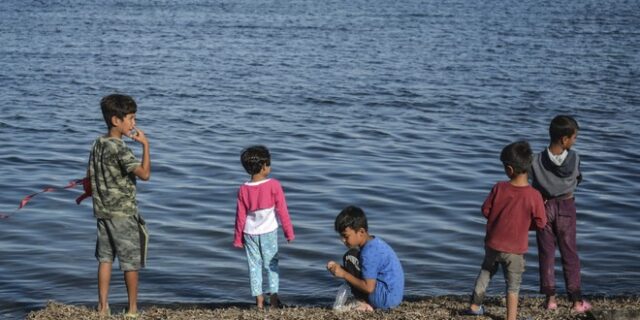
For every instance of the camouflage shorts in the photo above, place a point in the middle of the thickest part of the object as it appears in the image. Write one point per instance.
(125, 238)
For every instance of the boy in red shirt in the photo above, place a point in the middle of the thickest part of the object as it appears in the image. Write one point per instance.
(511, 209)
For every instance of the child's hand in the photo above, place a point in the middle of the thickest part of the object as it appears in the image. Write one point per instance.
(238, 245)
(335, 269)
(138, 136)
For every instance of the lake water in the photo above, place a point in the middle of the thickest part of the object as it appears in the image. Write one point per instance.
(400, 107)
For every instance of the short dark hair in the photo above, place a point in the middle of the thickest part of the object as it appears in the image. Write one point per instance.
(254, 158)
(562, 126)
(351, 217)
(518, 155)
(118, 105)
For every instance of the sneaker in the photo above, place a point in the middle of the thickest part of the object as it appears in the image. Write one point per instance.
(470, 312)
(582, 307)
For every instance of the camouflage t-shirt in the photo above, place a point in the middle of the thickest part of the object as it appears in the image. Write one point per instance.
(113, 183)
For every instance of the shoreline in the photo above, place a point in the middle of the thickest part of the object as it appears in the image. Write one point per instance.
(438, 307)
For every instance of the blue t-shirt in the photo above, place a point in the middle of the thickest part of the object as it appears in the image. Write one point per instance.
(378, 261)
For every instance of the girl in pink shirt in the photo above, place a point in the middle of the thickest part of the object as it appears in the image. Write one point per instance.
(260, 204)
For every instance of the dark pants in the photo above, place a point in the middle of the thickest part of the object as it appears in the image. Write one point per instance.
(351, 263)
(560, 228)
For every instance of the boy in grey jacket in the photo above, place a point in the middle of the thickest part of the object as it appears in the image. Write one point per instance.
(555, 172)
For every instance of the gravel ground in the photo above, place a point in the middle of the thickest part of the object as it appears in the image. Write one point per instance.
(443, 307)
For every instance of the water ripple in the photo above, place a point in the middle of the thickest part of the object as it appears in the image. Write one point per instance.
(400, 108)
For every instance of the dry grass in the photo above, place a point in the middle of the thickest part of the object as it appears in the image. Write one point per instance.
(444, 307)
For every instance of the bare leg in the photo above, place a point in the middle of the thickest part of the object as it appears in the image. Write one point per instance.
(551, 300)
(131, 280)
(512, 306)
(104, 278)
(260, 301)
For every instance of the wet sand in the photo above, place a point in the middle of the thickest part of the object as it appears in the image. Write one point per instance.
(443, 307)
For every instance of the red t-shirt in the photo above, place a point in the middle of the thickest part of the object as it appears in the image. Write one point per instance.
(510, 211)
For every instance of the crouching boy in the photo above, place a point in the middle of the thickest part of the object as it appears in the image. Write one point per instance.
(370, 266)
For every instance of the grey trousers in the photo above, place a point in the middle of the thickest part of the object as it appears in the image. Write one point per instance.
(512, 267)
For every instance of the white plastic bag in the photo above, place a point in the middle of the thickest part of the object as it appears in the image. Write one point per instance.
(345, 300)
(342, 295)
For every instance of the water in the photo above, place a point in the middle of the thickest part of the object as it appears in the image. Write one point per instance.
(401, 108)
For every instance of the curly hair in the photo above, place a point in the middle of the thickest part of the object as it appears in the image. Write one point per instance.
(254, 158)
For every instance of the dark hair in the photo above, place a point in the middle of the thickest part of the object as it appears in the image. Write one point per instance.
(254, 158)
(562, 126)
(518, 155)
(351, 217)
(118, 105)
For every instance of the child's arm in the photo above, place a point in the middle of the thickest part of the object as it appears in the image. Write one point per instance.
(241, 219)
(488, 203)
(283, 213)
(365, 285)
(539, 214)
(143, 171)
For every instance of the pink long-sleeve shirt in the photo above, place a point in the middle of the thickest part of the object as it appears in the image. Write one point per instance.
(258, 205)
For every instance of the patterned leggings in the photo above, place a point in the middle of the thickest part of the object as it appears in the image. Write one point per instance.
(262, 254)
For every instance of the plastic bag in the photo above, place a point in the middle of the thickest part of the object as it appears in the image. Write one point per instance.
(342, 297)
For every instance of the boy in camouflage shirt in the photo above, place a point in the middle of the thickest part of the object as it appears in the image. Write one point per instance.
(112, 171)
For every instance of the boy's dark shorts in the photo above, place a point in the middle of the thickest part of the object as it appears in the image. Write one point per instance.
(125, 238)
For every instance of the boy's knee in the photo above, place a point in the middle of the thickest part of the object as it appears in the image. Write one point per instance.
(513, 289)
(513, 282)
(351, 261)
(130, 266)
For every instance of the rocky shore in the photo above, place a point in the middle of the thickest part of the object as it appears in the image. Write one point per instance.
(443, 307)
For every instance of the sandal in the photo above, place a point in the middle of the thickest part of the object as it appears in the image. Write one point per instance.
(470, 312)
(582, 307)
(131, 315)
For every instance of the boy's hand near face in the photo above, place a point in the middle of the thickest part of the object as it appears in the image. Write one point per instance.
(336, 269)
(139, 136)
(144, 170)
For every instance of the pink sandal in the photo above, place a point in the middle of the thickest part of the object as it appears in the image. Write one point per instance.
(582, 307)
(550, 305)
